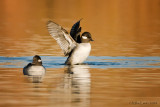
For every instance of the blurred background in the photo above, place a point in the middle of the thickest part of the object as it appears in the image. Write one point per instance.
(119, 27)
(127, 28)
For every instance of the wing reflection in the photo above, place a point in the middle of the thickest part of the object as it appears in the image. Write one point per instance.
(77, 82)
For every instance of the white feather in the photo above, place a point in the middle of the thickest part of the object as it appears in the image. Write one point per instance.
(84, 37)
(36, 70)
(80, 54)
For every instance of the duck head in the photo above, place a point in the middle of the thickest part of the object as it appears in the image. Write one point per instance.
(37, 60)
(86, 37)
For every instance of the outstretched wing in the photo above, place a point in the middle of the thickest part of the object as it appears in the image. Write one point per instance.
(62, 37)
(75, 31)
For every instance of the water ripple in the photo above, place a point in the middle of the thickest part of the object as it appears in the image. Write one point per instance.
(92, 61)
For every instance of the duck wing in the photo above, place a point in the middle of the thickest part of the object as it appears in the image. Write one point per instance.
(75, 31)
(65, 41)
(25, 69)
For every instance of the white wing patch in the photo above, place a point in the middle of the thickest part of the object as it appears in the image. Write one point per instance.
(84, 37)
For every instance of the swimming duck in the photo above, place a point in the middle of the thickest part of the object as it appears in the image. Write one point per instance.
(77, 47)
(35, 68)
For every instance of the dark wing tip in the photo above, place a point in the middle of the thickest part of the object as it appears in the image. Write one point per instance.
(49, 21)
(75, 29)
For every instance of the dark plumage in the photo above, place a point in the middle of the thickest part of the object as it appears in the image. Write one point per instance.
(75, 32)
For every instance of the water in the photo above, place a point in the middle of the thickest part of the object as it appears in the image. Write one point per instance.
(101, 62)
(123, 68)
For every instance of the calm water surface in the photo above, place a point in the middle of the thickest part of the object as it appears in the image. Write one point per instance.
(123, 68)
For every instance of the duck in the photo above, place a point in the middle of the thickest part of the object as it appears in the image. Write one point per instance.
(35, 68)
(75, 46)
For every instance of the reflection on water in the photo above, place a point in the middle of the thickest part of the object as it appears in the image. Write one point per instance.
(81, 86)
(59, 88)
(36, 78)
(76, 85)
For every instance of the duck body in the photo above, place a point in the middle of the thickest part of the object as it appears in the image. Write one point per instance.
(34, 70)
(79, 54)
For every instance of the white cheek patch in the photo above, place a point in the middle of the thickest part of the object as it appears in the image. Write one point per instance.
(84, 37)
(39, 60)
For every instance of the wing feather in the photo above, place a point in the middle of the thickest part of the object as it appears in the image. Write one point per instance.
(62, 37)
(75, 31)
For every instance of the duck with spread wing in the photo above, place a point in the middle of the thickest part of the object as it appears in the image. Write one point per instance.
(77, 47)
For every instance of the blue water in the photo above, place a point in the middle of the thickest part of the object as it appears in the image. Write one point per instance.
(92, 62)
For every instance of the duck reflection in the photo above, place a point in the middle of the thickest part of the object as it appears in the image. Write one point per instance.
(77, 81)
(35, 70)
